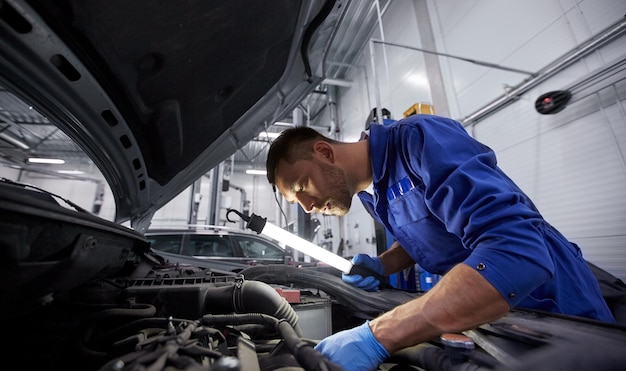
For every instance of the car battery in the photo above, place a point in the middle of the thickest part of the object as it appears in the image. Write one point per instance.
(314, 317)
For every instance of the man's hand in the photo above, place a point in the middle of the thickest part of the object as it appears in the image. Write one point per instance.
(355, 349)
(368, 283)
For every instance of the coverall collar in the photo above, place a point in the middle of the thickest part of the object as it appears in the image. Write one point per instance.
(378, 156)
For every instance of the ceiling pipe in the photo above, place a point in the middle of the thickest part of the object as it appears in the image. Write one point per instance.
(373, 42)
(385, 59)
(14, 141)
(244, 204)
(6, 136)
(332, 110)
(474, 61)
(379, 109)
(337, 82)
(361, 68)
(603, 38)
(290, 125)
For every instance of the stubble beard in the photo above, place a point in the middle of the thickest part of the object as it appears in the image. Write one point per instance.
(341, 197)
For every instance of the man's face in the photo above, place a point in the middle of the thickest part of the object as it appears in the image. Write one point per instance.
(316, 185)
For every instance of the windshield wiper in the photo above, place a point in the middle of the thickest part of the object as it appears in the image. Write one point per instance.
(70, 203)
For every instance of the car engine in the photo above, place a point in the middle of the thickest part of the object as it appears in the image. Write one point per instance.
(173, 318)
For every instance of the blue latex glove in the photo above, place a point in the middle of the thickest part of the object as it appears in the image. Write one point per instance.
(355, 349)
(368, 283)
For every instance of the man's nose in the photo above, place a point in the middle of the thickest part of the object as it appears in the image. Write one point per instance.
(306, 202)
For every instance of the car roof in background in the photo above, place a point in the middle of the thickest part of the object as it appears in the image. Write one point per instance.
(192, 228)
(198, 228)
(159, 93)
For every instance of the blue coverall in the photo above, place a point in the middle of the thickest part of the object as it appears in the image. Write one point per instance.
(445, 200)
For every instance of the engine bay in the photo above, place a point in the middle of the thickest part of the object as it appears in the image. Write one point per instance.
(82, 293)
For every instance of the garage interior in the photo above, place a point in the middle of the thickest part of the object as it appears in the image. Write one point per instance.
(485, 63)
(149, 263)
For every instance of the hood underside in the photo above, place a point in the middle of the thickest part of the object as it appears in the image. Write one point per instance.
(159, 93)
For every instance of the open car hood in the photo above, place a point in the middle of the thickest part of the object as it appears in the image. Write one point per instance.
(159, 93)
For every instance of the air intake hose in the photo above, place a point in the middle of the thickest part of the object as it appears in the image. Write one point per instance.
(251, 297)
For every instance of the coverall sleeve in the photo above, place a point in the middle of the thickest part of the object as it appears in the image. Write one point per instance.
(476, 201)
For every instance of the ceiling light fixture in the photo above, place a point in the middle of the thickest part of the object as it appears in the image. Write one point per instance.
(39, 160)
(256, 172)
(284, 124)
(268, 135)
(71, 172)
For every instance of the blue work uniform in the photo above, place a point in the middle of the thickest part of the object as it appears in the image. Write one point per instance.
(443, 197)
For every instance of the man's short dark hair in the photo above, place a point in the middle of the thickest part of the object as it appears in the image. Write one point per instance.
(292, 144)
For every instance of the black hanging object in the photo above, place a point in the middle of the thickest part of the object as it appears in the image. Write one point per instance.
(253, 222)
(552, 102)
(373, 117)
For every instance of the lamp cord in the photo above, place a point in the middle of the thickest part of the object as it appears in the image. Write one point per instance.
(279, 205)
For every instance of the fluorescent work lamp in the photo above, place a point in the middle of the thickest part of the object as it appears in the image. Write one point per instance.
(260, 225)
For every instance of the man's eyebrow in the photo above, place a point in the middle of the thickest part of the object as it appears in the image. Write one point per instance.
(291, 191)
(288, 192)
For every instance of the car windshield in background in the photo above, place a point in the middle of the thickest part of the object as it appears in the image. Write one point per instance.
(220, 244)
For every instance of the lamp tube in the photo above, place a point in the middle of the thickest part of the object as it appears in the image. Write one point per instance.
(307, 247)
(260, 225)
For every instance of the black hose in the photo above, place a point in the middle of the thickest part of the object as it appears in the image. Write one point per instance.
(304, 352)
(308, 33)
(251, 297)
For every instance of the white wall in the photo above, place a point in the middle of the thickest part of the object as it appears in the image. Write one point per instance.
(9, 172)
(253, 188)
(572, 164)
(79, 189)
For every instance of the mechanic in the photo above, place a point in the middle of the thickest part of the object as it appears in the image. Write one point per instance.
(451, 210)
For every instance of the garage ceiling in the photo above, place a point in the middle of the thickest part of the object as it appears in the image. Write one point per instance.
(25, 133)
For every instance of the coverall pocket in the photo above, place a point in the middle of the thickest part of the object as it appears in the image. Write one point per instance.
(408, 208)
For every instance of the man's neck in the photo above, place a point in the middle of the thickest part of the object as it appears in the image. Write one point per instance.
(358, 165)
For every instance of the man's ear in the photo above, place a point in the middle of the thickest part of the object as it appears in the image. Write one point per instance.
(325, 150)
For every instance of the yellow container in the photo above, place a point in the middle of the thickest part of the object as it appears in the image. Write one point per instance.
(420, 108)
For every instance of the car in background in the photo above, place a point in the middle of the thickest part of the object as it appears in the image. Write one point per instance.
(221, 244)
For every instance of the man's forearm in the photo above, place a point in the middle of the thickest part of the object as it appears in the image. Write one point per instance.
(395, 259)
(461, 300)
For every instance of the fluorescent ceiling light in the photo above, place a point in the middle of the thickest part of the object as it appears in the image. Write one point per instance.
(71, 172)
(256, 172)
(280, 123)
(36, 160)
(268, 135)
